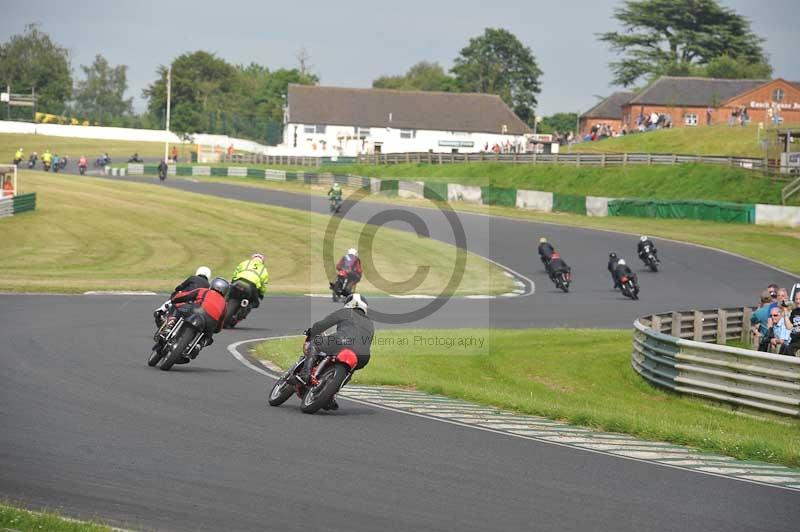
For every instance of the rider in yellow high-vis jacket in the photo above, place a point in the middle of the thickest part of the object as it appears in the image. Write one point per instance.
(254, 272)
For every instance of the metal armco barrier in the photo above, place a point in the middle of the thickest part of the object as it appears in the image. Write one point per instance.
(672, 350)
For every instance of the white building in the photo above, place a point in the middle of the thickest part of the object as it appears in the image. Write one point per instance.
(333, 121)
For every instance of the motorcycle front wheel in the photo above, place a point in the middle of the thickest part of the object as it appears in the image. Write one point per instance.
(329, 383)
(155, 356)
(281, 391)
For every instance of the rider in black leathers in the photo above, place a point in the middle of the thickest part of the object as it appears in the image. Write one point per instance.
(557, 266)
(644, 241)
(354, 331)
(621, 271)
(613, 259)
(545, 250)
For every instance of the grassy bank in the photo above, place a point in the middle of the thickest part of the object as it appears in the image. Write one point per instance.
(777, 246)
(94, 234)
(119, 150)
(580, 376)
(719, 139)
(16, 519)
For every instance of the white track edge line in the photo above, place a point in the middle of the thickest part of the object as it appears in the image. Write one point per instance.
(233, 349)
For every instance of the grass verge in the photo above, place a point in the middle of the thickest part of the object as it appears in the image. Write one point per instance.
(776, 246)
(119, 150)
(97, 234)
(583, 377)
(16, 519)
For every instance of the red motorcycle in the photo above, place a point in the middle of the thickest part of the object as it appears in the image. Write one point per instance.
(340, 288)
(329, 374)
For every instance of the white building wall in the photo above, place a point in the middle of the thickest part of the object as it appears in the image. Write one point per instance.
(345, 141)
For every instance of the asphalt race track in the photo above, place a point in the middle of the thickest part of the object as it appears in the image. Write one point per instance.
(87, 427)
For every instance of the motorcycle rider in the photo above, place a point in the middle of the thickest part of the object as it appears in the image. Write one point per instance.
(623, 270)
(83, 162)
(351, 264)
(162, 170)
(354, 331)
(210, 302)
(56, 165)
(546, 250)
(47, 159)
(253, 273)
(335, 193)
(557, 266)
(34, 157)
(193, 282)
(18, 157)
(644, 241)
(613, 259)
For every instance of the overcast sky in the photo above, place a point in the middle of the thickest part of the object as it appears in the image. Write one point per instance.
(350, 43)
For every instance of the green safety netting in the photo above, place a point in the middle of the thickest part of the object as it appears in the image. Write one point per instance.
(569, 203)
(506, 197)
(715, 211)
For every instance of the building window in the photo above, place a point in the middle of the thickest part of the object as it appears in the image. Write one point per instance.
(690, 119)
(310, 130)
(777, 95)
(408, 133)
(362, 132)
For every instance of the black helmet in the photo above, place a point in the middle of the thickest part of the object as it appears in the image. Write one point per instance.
(220, 285)
(612, 255)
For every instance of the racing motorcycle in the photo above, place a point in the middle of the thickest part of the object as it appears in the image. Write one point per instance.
(176, 339)
(46, 165)
(629, 286)
(340, 288)
(32, 161)
(82, 169)
(237, 306)
(650, 260)
(562, 281)
(328, 376)
(335, 205)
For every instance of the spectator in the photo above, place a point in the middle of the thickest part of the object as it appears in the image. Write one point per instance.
(758, 320)
(772, 288)
(8, 188)
(744, 117)
(781, 334)
(174, 154)
(230, 150)
(792, 322)
(709, 112)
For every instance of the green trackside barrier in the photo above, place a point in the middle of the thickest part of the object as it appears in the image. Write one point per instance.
(342, 179)
(714, 211)
(183, 170)
(24, 202)
(506, 197)
(255, 172)
(291, 176)
(339, 160)
(435, 191)
(150, 169)
(390, 185)
(219, 171)
(569, 203)
(310, 179)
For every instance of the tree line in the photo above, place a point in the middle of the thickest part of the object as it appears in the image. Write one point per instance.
(657, 37)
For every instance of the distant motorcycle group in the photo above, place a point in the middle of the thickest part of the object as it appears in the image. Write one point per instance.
(621, 274)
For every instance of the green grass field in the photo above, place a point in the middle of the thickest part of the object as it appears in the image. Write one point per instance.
(580, 376)
(719, 139)
(14, 519)
(118, 150)
(777, 246)
(97, 234)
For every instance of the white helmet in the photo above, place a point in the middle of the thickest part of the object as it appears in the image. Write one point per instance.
(353, 252)
(336, 186)
(621, 262)
(357, 302)
(204, 271)
(643, 238)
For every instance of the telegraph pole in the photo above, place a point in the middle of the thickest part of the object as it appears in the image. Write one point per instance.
(169, 90)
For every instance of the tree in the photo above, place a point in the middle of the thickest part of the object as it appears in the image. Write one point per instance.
(673, 36)
(561, 122)
(498, 63)
(727, 67)
(423, 76)
(101, 96)
(32, 61)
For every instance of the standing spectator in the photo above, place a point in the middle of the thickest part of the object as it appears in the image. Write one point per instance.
(792, 322)
(8, 188)
(709, 112)
(772, 289)
(174, 154)
(230, 150)
(758, 320)
(744, 117)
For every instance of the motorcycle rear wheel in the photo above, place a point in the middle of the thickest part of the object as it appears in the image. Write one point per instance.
(281, 391)
(180, 345)
(329, 383)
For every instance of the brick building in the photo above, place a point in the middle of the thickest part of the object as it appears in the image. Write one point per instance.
(690, 102)
(608, 112)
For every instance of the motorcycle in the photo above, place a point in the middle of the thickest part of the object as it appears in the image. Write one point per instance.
(237, 306)
(629, 287)
(102, 161)
(335, 205)
(135, 159)
(176, 339)
(82, 169)
(340, 288)
(17, 160)
(328, 376)
(56, 166)
(650, 260)
(162, 174)
(32, 162)
(545, 262)
(46, 166)
(62, 162)
(562, 281)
